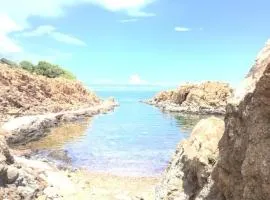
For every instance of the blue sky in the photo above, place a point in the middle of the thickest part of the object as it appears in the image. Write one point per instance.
(139, 42)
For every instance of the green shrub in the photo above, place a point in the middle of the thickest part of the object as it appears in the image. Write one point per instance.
(28, 66)
(46, 69)
(8, 62)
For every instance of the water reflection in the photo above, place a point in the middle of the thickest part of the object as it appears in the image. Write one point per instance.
(61, 135)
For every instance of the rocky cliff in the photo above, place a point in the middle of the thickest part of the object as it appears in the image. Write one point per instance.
(242, 169)
(23, 93)
(204, 98)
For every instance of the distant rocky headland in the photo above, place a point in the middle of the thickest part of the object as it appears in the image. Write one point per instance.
(204, 98)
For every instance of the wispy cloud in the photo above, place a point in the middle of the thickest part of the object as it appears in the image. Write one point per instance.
(139, 13)
(128, 20)
(52, 8)
(182, 29)
(16, 17)
(50, 31)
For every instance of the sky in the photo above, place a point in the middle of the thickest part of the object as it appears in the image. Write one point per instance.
(138, 42)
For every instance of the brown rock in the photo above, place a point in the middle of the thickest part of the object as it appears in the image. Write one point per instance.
(23, 93)
(243, 170)
(204, 98)
(189, 171)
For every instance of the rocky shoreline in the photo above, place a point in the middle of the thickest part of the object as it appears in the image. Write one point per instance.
(227, 160)
(25, 129)
(22, 177)
(205, 98)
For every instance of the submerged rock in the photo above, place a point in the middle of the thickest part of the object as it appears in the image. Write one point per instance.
(191, 166)
(205, 98)
(60, 155)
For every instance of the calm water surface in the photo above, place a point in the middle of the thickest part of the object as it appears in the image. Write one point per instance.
(135, 139)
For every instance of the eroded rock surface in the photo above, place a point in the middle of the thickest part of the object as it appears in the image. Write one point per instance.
(23, 93)
(17, 181)
(243, 170)
(205, 98)
(189, 172)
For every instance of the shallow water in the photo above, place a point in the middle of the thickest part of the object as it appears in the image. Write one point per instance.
(136, 139)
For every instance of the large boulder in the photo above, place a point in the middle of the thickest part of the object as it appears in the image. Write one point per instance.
(191, 166)
(243, 170)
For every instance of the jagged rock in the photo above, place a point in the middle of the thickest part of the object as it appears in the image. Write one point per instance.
(191, 166)
(205, 98)
(23, 93)
(243, 169)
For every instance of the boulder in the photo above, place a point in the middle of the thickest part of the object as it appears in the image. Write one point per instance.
(191, 166)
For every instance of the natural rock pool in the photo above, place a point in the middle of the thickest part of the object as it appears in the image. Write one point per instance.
(136, 139)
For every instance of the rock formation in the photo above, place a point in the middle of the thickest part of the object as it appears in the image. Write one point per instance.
(23, 93)
(242, 170)
(205, 98)
(17, 181)
(189, 172)
(22, 130)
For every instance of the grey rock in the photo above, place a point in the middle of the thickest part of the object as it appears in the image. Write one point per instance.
(61, 155)
(12, 174)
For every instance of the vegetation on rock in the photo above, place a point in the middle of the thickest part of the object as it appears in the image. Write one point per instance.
(43, 68)
(23, 93)
(46, 69)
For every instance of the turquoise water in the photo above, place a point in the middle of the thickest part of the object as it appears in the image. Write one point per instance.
(135, 139)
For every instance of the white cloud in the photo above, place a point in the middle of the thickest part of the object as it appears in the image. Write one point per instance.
(135, 79)
(21, 10)
(68, 39)
(128, 20)
(14, 15)
(6, 43)
(50, 31)
(182, 29)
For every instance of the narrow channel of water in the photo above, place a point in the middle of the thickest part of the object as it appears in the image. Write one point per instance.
(136, 139)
